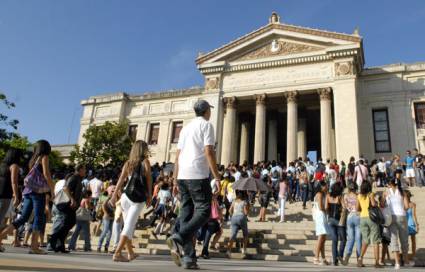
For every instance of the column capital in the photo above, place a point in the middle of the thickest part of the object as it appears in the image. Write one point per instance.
(229, 102)
(260, 99)
(325, 93)
(291, 96)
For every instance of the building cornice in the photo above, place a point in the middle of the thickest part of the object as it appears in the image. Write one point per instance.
(394, 68)
(287, 61)
(146, 96)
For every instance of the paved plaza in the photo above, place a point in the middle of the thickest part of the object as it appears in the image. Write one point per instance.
(19, 260)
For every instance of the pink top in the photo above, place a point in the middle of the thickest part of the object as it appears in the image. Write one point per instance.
(283, 189)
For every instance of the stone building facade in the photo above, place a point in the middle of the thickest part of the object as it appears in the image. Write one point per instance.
(282, 92)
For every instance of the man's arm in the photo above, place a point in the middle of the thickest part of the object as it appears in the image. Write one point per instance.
(210, 154)
(176, 173)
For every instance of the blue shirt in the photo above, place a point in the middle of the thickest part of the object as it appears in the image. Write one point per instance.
(409, 162)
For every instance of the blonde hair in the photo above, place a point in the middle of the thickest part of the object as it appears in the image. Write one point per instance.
(139, 152)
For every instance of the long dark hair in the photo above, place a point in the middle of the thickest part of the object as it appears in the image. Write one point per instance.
(13, 156)
(396, 183)
(41, 148)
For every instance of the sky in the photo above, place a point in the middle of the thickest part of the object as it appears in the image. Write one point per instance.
(53, 54)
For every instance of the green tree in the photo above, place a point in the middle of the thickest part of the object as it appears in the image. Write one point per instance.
(56, 163)
(8, 136)
(104, 145)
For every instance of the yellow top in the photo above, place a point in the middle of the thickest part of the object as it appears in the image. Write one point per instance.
(224, 183)
(364, 205)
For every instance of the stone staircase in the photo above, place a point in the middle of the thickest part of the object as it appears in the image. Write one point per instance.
(292, 241)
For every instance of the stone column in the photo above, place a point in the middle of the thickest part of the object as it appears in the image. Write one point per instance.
(302, 138)
(260, 128)
(244, 147)
(325, 122)
(272, 141)
(228, 129)
(292, 126)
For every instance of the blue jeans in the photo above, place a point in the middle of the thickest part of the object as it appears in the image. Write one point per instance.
(354, 234)
(338, 234)
(106, 232)
(36, 202)
(195, 210)
(304, 193)
(83, 226)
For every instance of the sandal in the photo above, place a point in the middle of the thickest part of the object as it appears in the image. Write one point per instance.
(378, 266)
(135, 256)
(120, 259)
(324, 262)
(2, 249)
(316, 261)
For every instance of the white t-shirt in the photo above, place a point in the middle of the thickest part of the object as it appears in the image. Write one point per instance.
(96, 186)
(194, 137)
(59, 186)
(237, 176)
(164, 196)
(382, 167)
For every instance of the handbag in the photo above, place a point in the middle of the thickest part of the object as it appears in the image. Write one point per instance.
(83, 214)
(388, 217)
(35, 181)
(136, 189)
(375, 214)
(61, 198)
(214, 210)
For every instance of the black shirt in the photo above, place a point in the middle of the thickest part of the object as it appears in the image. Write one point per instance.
(75, 187)
(6, 191)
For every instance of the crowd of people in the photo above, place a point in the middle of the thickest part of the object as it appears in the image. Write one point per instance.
(196, 199)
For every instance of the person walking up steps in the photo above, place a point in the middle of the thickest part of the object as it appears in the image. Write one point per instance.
(194, 158)
(137, 192)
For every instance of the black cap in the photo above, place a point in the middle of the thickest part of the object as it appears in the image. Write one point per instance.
(201, 106)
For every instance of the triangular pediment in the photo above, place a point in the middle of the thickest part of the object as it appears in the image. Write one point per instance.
(273, 47)
(276, 39)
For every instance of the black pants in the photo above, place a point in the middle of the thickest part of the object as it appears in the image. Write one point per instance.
(195, 211)
(63, 221)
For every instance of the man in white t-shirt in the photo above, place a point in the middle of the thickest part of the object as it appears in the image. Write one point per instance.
(96, 188)
(195, 158)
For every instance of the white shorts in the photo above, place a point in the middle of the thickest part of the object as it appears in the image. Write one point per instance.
(131, 212)
(410, 173)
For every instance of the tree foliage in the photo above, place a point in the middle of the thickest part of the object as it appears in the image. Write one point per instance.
(8, 136)
(104, 145)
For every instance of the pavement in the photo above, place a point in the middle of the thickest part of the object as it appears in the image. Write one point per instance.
(18, 259)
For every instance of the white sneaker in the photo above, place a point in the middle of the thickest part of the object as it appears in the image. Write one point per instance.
(281, 221)
(397, 267)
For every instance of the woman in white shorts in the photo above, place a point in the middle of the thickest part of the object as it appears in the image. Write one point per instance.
(137, 193)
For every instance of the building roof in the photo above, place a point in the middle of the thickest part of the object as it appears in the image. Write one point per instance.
(275, 24)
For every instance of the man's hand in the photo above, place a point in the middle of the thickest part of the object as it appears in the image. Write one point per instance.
(218, 185)
(73, 203)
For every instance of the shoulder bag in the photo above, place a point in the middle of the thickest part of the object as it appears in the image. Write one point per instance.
(136, 187)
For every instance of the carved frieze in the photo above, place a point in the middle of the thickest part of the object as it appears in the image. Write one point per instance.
(344, 68)
(212, 83)
(278, 48)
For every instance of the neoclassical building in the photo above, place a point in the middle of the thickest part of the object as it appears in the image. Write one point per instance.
(282, 92)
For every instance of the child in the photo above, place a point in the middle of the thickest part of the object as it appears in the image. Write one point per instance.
(412, 223)
(164, 198)
(107, 221)
(239, 211)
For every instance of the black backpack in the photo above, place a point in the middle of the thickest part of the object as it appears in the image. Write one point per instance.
(136, 187)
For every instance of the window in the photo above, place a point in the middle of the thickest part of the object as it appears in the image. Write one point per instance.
(153, 134)
(177, 128)
(381, 131)
(132, 132)
(420, 115)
